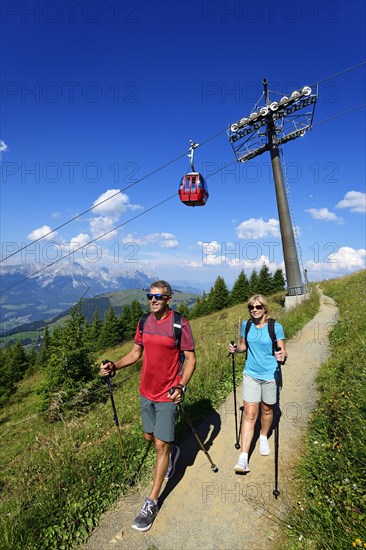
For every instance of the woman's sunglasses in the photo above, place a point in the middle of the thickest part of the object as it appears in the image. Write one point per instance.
(157, 297)
(260, 307)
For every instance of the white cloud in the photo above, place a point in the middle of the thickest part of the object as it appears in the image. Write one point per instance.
(346, 259)
(323, 214)
(102, 225)
(354, 200)
(258, 228)
(232, 255)
(80, 240)
(41, 232)
(113, 203)
(164, 240)
(3, 147)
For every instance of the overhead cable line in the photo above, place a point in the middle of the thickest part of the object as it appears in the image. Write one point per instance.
(148, 210)
(339, 114)
(342, 72)
(107, 199)
(152, 173)
(87, 244)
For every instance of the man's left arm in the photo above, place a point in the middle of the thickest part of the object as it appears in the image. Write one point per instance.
(189, 366)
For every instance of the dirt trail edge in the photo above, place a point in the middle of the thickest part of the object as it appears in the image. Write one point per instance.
(204, 510)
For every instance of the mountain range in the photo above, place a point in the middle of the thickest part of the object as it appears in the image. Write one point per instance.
(33, 292)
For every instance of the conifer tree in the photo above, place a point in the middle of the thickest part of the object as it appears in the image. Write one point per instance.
(241, 290)
(70, 363)
(17, 360)
(219, 296)
(201, 307)
(110, 333)
(7, 380)
(184, 310)
(126, 327)
(92, 332)
(265, 284)
(253, 282)
(136, 312)
(43, 354)
(278, 280)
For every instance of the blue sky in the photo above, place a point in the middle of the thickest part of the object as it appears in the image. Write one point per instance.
(98, 97)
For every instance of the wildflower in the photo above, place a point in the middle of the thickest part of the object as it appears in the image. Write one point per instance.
(301, 537)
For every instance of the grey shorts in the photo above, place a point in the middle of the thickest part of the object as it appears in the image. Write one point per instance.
(255, 391)
(158, 418)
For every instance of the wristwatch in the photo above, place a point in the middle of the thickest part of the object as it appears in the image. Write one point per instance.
(182, 387)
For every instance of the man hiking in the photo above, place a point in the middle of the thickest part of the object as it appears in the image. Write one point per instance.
(162, 369)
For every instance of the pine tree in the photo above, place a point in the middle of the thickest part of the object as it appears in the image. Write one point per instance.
(92, 332)
(70, 363)
(184, 310)
(278, 280)
(7, 380)
(110, 333)
(126, 327)
(43, 354)
(201, 307)
(219, 296)
(136, 312)
(241, 290)
(265, 284)
(253, 282)
(18, 361)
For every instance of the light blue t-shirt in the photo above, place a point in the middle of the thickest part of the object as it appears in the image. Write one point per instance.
(260, 363)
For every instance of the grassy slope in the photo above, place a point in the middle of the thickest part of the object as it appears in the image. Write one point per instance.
(56, 479)
(331, 508)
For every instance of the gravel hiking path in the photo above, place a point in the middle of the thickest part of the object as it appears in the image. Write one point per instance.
(204, 510)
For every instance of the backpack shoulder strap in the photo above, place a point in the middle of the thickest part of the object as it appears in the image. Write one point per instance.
(247, 329)
(177, 327)
(272, 334)
(142, 321)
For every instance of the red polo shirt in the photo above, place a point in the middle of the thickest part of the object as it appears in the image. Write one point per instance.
(162, 365)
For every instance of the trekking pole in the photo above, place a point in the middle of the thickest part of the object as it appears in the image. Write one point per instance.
(278, 378)
(107, 379)
(237, 444)
(214, 468)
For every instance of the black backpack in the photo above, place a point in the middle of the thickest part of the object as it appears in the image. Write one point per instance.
(177, 325)
(272, 334)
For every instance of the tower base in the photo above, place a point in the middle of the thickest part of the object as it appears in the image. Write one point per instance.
(293, 301)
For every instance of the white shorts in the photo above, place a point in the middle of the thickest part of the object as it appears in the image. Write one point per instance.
(255, 391)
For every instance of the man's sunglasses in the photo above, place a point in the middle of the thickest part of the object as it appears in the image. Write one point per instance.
(260, 307)
(157, 297)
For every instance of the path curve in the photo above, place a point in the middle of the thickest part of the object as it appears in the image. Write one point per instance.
(221, 511)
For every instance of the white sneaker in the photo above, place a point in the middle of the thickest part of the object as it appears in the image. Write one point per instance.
(263, 446)
(242, 466)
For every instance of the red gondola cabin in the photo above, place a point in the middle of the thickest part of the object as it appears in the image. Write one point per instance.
(193, 190)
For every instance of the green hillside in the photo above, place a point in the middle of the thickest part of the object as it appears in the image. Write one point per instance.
(58, 477)
(31, 333)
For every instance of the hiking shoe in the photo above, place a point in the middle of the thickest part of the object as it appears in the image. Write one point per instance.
(146, 517)
(173, 457)
(263, 446)
(242, 466)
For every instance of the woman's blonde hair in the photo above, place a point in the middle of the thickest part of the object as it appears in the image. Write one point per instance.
(262, 300)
